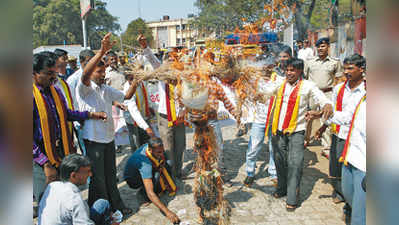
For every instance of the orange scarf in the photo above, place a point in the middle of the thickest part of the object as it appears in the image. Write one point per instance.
(347, 143)
(291, 115)
(165, 179)
(48, 139)
(142, 102)
(338, 106)
(170, 104)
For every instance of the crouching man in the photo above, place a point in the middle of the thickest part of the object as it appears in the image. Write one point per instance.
(148, 170)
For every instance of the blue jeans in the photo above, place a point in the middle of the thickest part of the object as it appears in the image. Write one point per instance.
(100, 212)
(354, 194)
(272, 166)
(257, 136)
(79, 133)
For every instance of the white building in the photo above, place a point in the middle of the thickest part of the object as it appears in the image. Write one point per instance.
(72, 50)
(172, 33)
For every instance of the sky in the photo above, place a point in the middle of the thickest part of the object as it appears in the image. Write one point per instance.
(151, 10)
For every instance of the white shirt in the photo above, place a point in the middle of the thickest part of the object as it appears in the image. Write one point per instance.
(148, 59)
(308, 91)
(150, 62)
(73, 82)
(351, 97)
(94, 98)
(62, 204)
(305, 53)
(261, 109)
(162, 99)
(59, 86)
(114, 78)
(133, 109)
(356, 154)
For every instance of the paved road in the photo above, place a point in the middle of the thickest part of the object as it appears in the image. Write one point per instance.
(250, 206)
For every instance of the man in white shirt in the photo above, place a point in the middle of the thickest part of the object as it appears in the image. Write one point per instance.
(262, 114)
(306, 52)
(345, 96)
(170, 120)
(354, 159)
(113, 77)
(84, 57)
(62, 202)
(116, 79)
(288, 127)
(94, 95)
(137, 115)
(62, 62)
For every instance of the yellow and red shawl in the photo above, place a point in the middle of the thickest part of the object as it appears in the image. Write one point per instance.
(291, 115)
(338, 106)
(348, 139)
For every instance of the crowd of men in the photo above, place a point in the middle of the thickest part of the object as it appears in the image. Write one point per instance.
(84, 108)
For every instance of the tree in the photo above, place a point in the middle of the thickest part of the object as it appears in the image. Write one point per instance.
(134, 29)
(57, 21)
(221, 15)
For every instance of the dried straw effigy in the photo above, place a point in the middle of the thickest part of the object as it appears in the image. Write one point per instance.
(208, 184)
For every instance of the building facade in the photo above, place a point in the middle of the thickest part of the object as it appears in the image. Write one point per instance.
(172, 33)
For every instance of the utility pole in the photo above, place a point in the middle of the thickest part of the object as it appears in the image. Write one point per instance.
(120, 36)
(85, 7)
(84, 32)
(139, 7)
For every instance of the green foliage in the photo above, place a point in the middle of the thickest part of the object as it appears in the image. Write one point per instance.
(223, 15)
(320, 15)
(58, 20)
(134, 29)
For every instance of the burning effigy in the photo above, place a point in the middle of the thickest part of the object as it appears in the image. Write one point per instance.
(194, 80)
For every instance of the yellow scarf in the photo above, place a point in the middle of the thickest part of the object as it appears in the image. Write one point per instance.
(165, 180)
(49, 144)
(291, 115)
(68, 98)
(170, 104)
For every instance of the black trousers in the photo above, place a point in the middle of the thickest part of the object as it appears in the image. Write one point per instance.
(103, 182)
(137, 136)
(337, 147)
(288, 152)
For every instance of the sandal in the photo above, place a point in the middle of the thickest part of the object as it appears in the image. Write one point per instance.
(278, 194)
(290, 208)
(126, 211)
